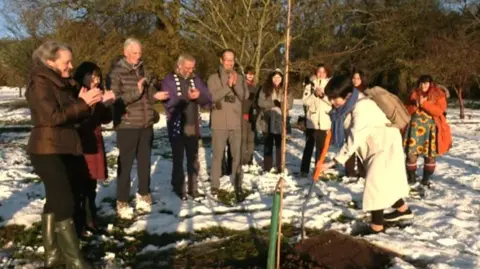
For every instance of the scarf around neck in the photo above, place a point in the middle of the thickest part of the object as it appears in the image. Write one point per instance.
(338, 116)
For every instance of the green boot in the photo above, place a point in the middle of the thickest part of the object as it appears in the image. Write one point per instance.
(68, 242)
(53, 256)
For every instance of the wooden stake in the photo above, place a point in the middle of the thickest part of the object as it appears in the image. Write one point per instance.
(285, 83)
(281, 183)
(284, 125)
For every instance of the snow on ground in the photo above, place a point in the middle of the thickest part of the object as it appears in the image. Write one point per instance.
(8, 114)
(445, 232)
(9, 94)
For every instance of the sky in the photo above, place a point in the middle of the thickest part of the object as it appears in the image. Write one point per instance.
(3, 28)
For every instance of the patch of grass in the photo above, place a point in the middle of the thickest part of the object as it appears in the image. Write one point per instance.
(21, 236)
(234, 248)
(111, 161)
(29, 180)
(229, 199)
(330, 177)
(159, 107)
(238, 248)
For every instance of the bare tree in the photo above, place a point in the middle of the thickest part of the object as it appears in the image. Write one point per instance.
(254, 29)
(453, 59)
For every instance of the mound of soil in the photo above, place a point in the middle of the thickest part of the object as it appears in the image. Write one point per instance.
(335, 250)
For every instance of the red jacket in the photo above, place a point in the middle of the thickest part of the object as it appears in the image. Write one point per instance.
(90, 133)
(436, 106)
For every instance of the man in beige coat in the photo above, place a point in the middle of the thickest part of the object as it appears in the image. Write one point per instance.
(229, 91)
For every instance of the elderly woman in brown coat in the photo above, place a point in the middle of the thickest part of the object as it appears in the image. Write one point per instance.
(55, 149)
(89, 76)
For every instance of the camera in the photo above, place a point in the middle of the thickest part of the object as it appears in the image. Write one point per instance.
(230, 98)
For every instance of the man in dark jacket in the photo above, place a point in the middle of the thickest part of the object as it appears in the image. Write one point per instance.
(134, 116)
(187, 92)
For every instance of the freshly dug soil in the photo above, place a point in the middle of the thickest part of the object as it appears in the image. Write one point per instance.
(328, 250)
(335, 250)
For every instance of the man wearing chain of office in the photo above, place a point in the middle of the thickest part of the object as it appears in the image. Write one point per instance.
(187, 92)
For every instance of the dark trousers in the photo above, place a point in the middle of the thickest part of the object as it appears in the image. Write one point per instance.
(61, 179)
(227, 161)
(248, 142)
(354, 167)
(270, 141)
(133, 143)
(314, 138)
(189, 146)
(377, 215)
(89, 196)
(85, 195)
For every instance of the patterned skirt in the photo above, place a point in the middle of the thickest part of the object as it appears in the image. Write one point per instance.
(420, 137)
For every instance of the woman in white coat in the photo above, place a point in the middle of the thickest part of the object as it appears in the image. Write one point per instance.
(317, 118)
(380, 148)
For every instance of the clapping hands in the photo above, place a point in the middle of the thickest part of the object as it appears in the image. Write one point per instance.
(108, 96)
(193, 93)
(161, 95)
(91, 97)
(232, 79)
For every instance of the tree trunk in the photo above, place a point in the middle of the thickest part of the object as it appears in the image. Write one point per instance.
(19, 91)
(402, 83)
(459, 91)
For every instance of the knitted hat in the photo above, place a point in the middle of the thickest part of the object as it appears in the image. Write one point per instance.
(278, 70)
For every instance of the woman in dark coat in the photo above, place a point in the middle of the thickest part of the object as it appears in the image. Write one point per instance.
(89, 75)
(55, 149)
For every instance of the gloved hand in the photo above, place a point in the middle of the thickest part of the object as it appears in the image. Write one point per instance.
(277, 103)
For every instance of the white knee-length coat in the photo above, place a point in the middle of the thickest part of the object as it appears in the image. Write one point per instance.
(380, 148)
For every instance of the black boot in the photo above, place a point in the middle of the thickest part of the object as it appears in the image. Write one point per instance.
(411, 177)
(91, 215)
(53, 256)
(267, 163)
(68, 242)
(426, 178)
